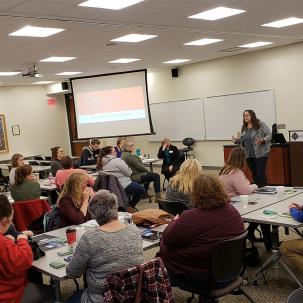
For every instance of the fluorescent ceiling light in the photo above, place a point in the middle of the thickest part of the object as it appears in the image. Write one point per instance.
(110, 4)
(57, 59)
(124, 60)
(9, 73)
(256, 44)
(176, 61)
(217, 13)
(43, 82)
(203, 41)
(134, 38)
(36, 31)
(284, 22)
(68, 73)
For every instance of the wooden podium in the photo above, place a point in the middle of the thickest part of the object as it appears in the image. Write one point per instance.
(296, 158)
(278, 164)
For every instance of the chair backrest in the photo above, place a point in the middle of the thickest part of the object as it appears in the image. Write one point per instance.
(296, 296)
(26, 212)
(181, 156)
(188, 141)
(33, 162)
(228, 259)
(172, 207)
(141, 283)
(52, 219)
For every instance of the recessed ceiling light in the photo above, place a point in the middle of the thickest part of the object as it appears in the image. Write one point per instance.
(9, 73)
(217, 13)
(68, 73)
(176, 61)
(124, 60)
(36, 31)
(57, 59)
(284, 22)
(43, 82)
(110, 4)
(256, 44)
(134, 38)
(203, 41)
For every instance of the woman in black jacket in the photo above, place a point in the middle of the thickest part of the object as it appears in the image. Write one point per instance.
(171, 160)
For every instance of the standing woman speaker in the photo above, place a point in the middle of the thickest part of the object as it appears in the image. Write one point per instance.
(255, 138)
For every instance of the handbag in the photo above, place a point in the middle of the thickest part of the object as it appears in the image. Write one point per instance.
(37, 252)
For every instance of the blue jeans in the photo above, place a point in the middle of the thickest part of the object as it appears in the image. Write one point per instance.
(151, 177)
(135, 190)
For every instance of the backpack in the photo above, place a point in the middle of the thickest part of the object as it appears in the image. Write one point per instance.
(52, 219)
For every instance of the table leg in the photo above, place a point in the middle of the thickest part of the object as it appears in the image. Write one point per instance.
(57, 290)
(276, 256)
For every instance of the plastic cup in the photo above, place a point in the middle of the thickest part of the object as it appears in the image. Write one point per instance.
(71, 235)
(128, 218)
(280, 191)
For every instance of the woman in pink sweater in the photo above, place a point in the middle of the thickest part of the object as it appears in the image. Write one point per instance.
(231, 175)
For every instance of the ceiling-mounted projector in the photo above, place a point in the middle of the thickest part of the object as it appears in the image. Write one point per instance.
(32, 72)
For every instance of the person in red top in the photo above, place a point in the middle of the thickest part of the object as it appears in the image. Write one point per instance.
(188, 240)
(73, 200)
(15, 258)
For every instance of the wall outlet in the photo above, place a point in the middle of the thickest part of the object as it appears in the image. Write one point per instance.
(281, 126)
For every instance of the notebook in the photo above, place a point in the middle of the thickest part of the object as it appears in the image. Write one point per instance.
(266, 190)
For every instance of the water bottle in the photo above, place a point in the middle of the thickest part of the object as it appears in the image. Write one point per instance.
(50, 178)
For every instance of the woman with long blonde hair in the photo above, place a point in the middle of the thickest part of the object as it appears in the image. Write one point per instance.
(73, 200)
(181, 185)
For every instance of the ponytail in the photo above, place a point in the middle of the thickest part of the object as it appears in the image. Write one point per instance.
(105, 151)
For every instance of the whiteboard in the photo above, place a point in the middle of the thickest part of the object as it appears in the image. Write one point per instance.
(223, 114)
(178, 120)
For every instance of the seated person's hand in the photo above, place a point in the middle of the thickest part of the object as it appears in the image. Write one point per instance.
(10, 237)
(176, 217)
(28, 233)
(22, 236)
(170, 168)
(234, 139)
(91, 192)
(294, 205)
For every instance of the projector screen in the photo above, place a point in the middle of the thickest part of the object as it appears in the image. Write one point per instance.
(112, 105)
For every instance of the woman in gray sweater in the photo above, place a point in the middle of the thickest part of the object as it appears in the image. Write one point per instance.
(111, 247)
(110, 164)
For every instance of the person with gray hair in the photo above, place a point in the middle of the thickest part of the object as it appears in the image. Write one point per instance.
(102, 251)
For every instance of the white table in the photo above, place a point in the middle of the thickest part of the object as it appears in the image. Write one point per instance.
(42, 265)
(150, 162)
(262, 200)
(276, 221)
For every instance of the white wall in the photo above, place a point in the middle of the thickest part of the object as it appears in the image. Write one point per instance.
(41, 126)
(278, 68)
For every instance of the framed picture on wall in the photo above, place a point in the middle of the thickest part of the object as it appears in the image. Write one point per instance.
(3, 135)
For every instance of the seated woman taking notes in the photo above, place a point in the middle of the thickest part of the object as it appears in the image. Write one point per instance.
(231, 175)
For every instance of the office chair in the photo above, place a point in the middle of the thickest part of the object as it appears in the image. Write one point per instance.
(296, 296)
(188, 142)
(227, 271)
(172, 207)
